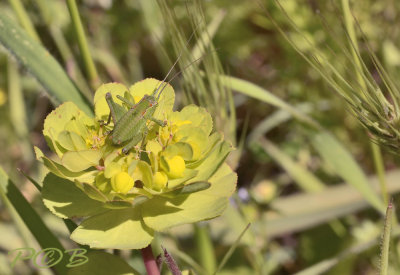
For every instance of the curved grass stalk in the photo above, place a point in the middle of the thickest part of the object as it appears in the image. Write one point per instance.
(376, 151)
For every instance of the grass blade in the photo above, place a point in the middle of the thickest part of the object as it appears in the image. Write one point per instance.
(301, 211)
(231, 250)
(41, 64)
(306, 180)
(345, 165)
(24, 19)
(252, 90)
(46, 239)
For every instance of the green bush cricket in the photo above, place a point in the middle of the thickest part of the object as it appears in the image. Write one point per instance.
(131, 126)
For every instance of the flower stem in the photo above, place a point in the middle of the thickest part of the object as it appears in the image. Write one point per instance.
(82, 43)
(149, 261)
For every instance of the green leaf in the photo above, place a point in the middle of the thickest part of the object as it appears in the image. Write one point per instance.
(41, 64)
(66, 200)
(102, 263)
(10, 193)
(117, 229)
(344, 164)
(77, 161)
(162, 213)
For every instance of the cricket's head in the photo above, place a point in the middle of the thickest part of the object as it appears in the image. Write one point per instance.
(149, 103)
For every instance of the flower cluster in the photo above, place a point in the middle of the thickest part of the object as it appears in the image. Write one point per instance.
(176, 174)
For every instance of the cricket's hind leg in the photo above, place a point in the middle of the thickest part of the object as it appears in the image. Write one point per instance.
(132, 143)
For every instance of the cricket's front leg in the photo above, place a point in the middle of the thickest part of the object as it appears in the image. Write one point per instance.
(160, 122)
(108, 121)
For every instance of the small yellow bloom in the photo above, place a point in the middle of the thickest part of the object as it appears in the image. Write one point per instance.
(160, 180)
(122, 182)
(176, 167)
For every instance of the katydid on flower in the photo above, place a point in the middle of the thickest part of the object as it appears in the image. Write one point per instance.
(131, 126)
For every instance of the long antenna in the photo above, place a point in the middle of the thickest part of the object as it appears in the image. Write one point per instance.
(173, 66)
(183, 69)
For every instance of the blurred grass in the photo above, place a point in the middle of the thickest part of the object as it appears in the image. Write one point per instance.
(248, 71)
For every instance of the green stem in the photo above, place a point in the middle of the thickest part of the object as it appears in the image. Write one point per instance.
(24, 19)
(376, 150)
(380, 170)
(386, 241)
(82, 43)
(205, 248)
(18, 110)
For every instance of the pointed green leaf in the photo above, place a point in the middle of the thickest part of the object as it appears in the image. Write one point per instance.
(188, 189)
(11, 194)
(41, 64)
